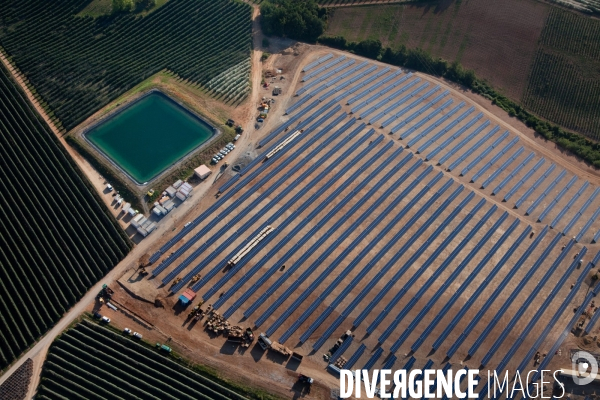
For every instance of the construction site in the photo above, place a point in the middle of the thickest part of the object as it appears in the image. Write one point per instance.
(379, 218)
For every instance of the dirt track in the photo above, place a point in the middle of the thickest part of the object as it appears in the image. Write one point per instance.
(216, 353)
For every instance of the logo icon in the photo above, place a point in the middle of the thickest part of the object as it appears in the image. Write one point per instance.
(581, 362)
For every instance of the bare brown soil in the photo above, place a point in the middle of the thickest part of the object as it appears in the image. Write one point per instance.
(496, 39)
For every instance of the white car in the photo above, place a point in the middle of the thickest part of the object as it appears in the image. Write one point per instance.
(106, 320)
(137, 335)
(187, 224)
(127, 331)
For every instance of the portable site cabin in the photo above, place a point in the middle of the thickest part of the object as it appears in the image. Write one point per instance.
(186, 187)
(126, 207)
(177, 184)
(181, 196)
(187, 297)
(168, 205)
(202, 171)
(171, 191)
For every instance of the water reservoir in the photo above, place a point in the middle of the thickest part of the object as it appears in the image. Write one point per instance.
(149, 135)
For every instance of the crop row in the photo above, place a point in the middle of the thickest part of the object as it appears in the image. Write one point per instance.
(79, 64)
(233, 84)
(56, 239)
(102, 364)
(561, 86)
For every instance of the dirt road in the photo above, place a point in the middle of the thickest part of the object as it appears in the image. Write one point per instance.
(38, 352)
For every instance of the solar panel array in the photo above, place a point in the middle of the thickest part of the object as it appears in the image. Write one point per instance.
(367, 231)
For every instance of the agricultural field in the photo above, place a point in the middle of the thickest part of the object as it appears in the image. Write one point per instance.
(79, 64)
(56, 236)
(535, 54)
(92, 362)
(564, 82)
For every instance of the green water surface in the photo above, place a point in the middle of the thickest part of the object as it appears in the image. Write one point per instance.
(149, 136)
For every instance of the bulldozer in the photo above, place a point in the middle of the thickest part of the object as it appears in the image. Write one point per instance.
(177, 280)
(196, 278)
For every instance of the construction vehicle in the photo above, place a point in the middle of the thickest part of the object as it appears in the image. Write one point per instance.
(177, 280)
(196, 278)
(305, 379)
(143, 271)
(249, 334)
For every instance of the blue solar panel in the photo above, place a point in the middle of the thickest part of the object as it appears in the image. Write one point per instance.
(360, 237)
(528, 175)
(446, 309)
(581, 211)
(420, 111)
(504, 165)
(487, 151)
(437, 123)
(554, 349)
(513, 295)
(317, 62)
(352, 306)
(557, 199)
(499, 289)
(386, 101)
(375, 260)
(433, 299)
(532, 320)
(469, 151)
(354, 358)
(428, 118)
(447, 142)
(558, 314)
(263, 298)
(364, 252)
(551, 186)
(298, 245)
(587, 225)
(373, 359)
(297, 212)
(434, 276)
(375, 86)
(535, 185)
(530, 299)
(513, 173)
(409, 107)
(256, 217)
(569, 204)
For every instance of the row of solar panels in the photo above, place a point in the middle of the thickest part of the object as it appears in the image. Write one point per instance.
(217, 204)
(298, 210)
(252, 209)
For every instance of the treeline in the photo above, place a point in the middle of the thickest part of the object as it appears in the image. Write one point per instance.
(77, 65)
(56, 238)
(89, 361)
(295, 19)
(420, 60)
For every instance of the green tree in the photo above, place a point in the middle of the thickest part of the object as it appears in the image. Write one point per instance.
(122, 6)
(296, 19)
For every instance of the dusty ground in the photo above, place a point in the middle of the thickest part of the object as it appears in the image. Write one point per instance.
(313, 362)
(462, 31)
(194, 342)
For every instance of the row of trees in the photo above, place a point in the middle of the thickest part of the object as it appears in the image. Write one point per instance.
(420, 60)
(78, 65)
(132, 5)
(89, 361)
(56, 237)
(296, 19)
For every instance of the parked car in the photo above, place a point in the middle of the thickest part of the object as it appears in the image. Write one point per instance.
(137, 335)
(106, 320)
(127, 331)
(97, 315)
(187, 224)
